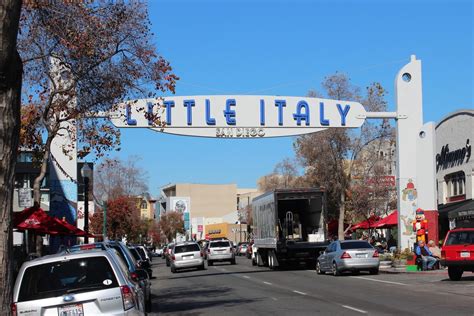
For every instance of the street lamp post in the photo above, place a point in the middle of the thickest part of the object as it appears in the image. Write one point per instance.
(86, 173)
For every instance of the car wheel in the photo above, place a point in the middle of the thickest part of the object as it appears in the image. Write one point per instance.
(254, 263)
(209, 263)
(173, 269)
(318, 268)
(355, 272)
(374, 271)
(335, 270)
(202, 267)
(232, 261)
(454, 273)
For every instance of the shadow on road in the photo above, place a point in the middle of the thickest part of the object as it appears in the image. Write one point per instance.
(187, 276)
(180, 299)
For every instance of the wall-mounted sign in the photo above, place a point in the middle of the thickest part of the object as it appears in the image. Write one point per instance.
(243, 116)
(24, 198)
(448, 159)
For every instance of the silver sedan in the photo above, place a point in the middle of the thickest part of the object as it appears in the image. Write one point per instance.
(348, 255)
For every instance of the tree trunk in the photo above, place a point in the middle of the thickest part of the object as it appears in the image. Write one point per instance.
(10, 92)
(43, 169)
(342, 212)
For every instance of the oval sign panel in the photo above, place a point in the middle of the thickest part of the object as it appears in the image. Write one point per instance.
(240, 116)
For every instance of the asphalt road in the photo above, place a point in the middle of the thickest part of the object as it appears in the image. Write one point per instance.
(224, 289)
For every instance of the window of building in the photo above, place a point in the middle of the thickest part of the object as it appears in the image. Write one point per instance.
(455, 186)
(144, 204)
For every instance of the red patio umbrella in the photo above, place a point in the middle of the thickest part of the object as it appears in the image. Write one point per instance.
(369, 223)
(33, 219)
(67, 228)
(388, 221)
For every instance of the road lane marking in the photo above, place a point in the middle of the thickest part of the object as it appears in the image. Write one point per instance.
(245, 276)
(298, 292)
(354, 309)
(267, 283)
(382, 281)
(274, 299)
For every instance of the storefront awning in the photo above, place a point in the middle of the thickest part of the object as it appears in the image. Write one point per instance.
(464, 211)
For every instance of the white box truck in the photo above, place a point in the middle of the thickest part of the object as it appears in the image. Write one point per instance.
(289, 226)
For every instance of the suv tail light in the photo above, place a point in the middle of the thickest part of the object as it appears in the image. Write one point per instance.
(13, 309)
(127, 297)
(346, 255)
(134, 276)
(173, 257)
(208, 250)
(376, 254)
(443, 254)
(202, 255)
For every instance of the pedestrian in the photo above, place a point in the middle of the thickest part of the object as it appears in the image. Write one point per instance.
(427, 258)
(434, 249)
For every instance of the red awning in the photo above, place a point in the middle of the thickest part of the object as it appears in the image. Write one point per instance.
(367, 224)
(388, 221)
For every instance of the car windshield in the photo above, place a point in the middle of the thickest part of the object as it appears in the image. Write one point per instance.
(355, 245)
(187, 248)
(219, 244)
(70, 276)
(460, 238)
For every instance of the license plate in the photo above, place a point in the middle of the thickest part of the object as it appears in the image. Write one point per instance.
(188, 257)
(71, 310)
(361, 255)
(465, 254)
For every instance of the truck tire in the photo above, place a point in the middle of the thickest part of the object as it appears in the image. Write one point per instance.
(454, 273)
(270, 260)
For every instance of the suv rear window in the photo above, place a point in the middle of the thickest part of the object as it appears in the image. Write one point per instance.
(355, 245)
(186, 248)
(460, 238)
(219, 244)
(70, 276)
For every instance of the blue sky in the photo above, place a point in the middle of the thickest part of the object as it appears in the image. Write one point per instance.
(287, 48)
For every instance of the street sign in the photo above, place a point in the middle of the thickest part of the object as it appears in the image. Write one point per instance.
(24, 198)
(240, 116)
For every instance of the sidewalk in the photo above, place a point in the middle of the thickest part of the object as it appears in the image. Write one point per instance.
(397, 270)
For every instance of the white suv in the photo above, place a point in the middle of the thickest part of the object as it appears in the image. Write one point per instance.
(186, 255)
(92, 282)
(220, 250)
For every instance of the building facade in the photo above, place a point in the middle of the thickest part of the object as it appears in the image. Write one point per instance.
(455, 170)
(208, 204)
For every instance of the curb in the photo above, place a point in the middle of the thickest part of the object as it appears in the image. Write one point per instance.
(443, 272)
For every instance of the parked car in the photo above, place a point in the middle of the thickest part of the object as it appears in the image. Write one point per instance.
(243, 249)
(220, 250)
(169, 249)
(186, 255)
(348, 255)
(141, 260)
(145, 252)
(457, 252)
(159, 251)
(138, 274)
(89, 282)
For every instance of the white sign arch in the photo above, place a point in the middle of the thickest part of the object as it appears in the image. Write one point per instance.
(247, 116)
